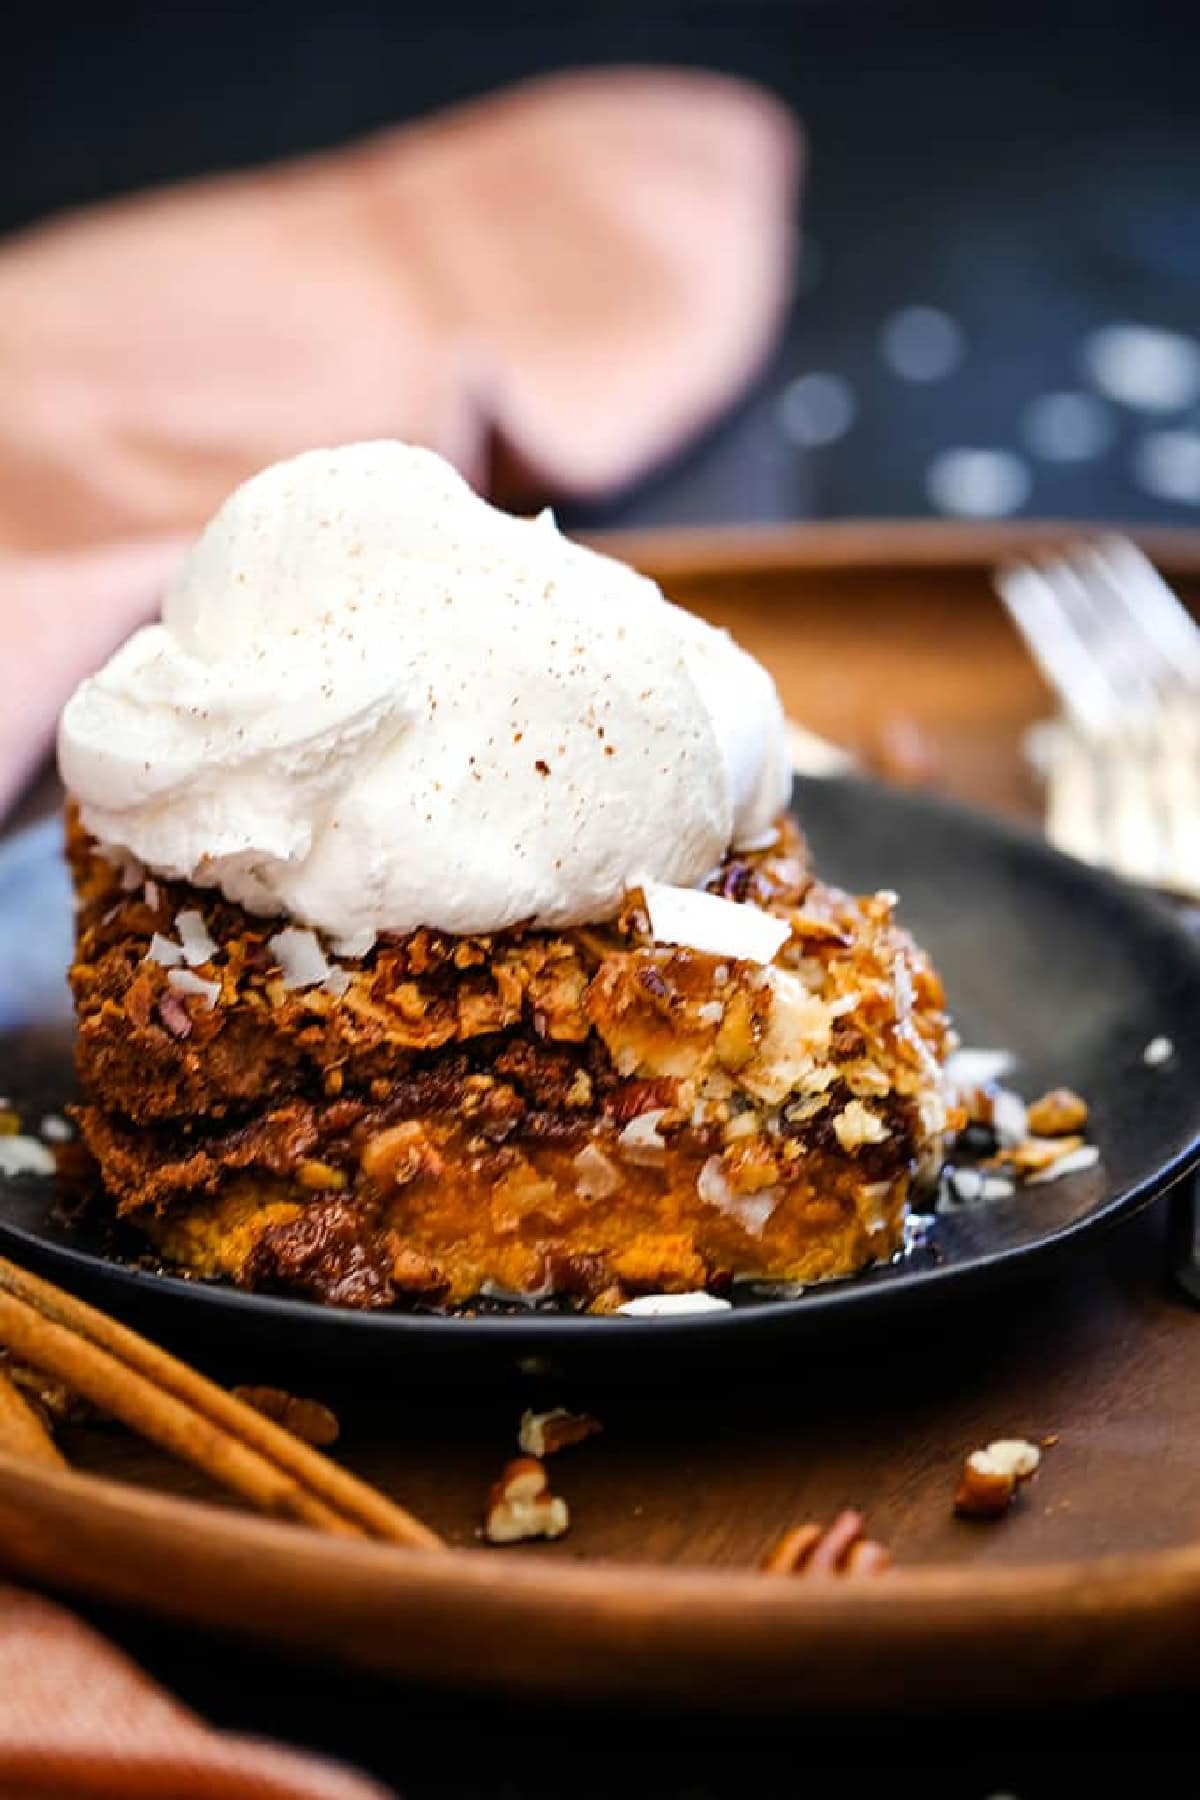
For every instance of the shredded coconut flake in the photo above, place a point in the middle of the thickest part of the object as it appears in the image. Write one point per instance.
(641, 1141)
(337, 982)
(197, 946)
(150, 892)
(671, 1306)
(1010, 1119)
(596, 1176)
(164, 951)
(966, 1185)
(184, 982)
(56, 1130)
(300, 957)
(968, 1068)
(25, 1156)
(718, 927)
(358, 943)
(751, 1211)
(998, 1187)
(1158, 1051)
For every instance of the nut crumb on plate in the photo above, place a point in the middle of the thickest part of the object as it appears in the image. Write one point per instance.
(305, 1419)
(544, 1433)
(521, 1506)
(989, 1477)
(1057, 1113)
(840, 1549)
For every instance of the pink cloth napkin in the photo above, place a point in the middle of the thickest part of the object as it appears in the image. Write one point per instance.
(555, 287)
(78, 1719)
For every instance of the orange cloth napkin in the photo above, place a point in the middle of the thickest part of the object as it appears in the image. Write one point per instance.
(555, 287)
(78, 1719)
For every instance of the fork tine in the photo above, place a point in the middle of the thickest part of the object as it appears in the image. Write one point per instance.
(1159, 615)
(1054, 642)
(1074, 812)
(1123, 783)
(1116, 644)
(1177, 782)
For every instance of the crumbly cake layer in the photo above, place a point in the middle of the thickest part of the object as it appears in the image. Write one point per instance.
(584, 1112)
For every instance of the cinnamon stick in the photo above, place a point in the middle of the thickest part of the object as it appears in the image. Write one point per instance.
(21, 1431)
(164, 1400)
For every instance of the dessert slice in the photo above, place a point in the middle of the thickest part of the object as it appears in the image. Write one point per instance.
(589, 1113)
(442, 934)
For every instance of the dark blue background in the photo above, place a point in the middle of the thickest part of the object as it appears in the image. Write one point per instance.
(1033, 170)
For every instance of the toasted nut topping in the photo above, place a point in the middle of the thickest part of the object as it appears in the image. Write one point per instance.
(398, 1155)
(1057, 1113)
(311, 1173)
(521, 1506)
(839, 1550)
(306, 1419)
(543, 1434)
(989, 1477)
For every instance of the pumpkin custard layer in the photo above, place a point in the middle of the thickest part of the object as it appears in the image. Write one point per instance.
(584, 1113)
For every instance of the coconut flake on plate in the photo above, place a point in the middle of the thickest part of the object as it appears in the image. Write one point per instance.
(705, 922)
(1073, 1163)
(150, 895)
(998, 1187)
(337, 982)
(1158, 1051)
(184, 982)
(198, 947)
(300, 957)
(671, 1306)
(54, 1129)
(491, 1290)
(972, 1068)
(965, 1185)
(1010, 1119)
(25, 1156)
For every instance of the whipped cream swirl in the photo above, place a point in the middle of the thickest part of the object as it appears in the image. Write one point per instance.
(375, 702)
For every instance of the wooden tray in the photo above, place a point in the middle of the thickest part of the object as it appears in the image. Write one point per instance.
(1091, 1585)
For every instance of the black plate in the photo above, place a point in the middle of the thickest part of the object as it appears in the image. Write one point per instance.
(1068, 969)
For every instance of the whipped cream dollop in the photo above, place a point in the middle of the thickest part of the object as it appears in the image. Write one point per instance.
(375, 702)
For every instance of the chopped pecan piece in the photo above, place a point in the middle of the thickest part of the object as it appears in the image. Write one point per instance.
(989, 1477)
(543, 1434)
(1057, 1113)
(174, 1017)
(840, 1549)
(306, 1419)
(521, 1506)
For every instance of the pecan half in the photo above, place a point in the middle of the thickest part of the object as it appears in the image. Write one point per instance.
(521, 1506)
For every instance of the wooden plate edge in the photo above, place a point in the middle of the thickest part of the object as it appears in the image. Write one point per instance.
(533, 1624)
